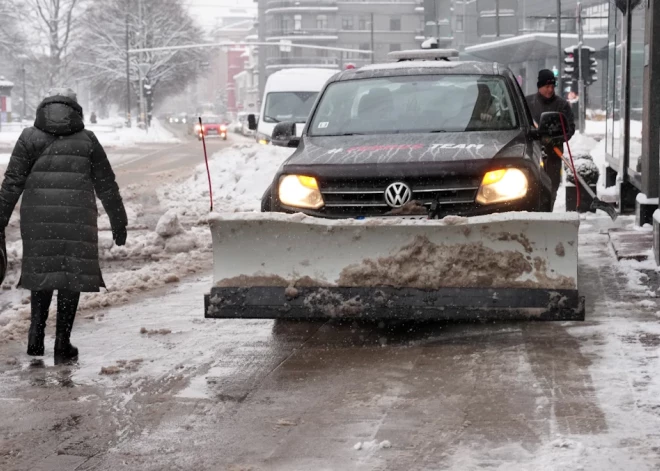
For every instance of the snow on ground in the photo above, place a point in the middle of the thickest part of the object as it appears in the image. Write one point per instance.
(240, 175)
(110, 133)
(9, 137)
(599, 128)
(111, 136)
(4, 159)
(151, 259)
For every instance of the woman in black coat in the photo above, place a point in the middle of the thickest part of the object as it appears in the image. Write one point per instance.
(60, 168)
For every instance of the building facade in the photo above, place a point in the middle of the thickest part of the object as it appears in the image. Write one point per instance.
(382, 26)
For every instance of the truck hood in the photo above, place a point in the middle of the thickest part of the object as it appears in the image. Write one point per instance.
(409, 148)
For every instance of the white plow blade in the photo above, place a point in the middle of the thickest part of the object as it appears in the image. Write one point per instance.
(509, 250)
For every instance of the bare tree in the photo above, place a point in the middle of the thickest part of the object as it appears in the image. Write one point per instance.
(10, 42)
(150, 23)
(56, 21)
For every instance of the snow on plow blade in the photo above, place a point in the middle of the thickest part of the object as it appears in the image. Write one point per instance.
(504, 266)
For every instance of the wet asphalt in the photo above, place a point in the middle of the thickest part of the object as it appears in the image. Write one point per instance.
(268, 395)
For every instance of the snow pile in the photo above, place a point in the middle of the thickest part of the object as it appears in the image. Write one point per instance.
(240, 175)
(169, 225)
(112, 136)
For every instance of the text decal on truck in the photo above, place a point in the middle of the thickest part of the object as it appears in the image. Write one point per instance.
(376, 148)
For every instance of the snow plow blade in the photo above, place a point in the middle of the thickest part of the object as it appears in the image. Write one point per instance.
(503, 266)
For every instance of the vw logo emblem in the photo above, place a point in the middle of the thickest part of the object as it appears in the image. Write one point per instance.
(397, 194)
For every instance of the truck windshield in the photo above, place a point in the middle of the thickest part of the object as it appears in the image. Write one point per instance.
(431, 103)
(288, 106)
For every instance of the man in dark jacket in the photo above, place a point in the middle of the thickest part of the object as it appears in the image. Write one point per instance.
(547, 100)
(60, 168)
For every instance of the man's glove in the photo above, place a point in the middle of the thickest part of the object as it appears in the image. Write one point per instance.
(119, 236)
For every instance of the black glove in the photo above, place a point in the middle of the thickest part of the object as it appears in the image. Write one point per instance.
(119, 236)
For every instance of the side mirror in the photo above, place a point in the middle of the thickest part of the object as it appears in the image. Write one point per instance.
(284, 135)
(252, 122)
(551, 125)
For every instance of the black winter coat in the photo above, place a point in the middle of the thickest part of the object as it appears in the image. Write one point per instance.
(538, 104)
(59, 167)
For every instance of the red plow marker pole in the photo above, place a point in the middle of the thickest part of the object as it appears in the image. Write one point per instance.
(206, 159)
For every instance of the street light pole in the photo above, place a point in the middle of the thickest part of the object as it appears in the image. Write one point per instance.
(24, 94)
(372, 38)
(128, 72)
(581, 90)
(559, 50)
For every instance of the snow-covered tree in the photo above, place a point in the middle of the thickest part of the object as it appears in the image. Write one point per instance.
(9, 37)
(150, 23)
(58, 23)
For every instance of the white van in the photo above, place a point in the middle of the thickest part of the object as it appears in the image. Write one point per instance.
(289, 96)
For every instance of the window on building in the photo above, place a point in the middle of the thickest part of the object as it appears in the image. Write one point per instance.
(395, 24)
(395, 47)
(459, 23)
(347, 23)
(297, 22)
(285, 23)
(321, 53)
(364, 46)
(363, 23)
(322, 22)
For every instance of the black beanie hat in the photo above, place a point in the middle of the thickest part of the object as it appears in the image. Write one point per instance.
(546, 77)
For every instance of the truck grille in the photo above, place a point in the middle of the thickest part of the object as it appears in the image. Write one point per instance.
(367, 197)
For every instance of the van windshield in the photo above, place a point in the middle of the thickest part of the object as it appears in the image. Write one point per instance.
(430, 103)
(288, 106)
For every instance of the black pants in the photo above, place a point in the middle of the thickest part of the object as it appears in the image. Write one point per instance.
(553, 168)
(67, 305)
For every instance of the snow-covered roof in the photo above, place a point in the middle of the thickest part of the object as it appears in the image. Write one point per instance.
(413, 65)
(5, 83)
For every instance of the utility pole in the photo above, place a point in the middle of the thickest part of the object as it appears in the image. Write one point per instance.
(581, 90)
(497, 18)
(141, 91)
(128, 71)
(372, 39)
(24, 94)
(559, 49)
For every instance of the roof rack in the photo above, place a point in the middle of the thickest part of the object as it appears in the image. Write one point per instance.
(423, 54)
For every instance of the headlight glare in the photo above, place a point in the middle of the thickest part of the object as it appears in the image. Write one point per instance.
(300, 191)
(503, 185)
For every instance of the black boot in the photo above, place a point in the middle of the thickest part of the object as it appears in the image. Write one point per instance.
(67, 305)
(40, 304)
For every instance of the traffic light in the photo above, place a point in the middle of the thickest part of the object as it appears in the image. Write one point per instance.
(589, 66)
(571, 72)
(572, 65)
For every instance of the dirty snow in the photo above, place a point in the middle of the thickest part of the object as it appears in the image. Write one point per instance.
(158, 258)
(240, 175)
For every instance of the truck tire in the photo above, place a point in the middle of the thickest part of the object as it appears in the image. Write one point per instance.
(267, 201)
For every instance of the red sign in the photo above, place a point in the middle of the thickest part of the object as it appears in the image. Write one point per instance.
(3, 103)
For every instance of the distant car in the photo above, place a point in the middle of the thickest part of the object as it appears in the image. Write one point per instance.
(245, 127)
(212, 126)
(181, 118)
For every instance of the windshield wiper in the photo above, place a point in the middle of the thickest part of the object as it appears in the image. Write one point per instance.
(271, 119)
(438, 131)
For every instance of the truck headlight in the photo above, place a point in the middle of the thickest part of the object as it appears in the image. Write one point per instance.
(503, 185)
(300, 191)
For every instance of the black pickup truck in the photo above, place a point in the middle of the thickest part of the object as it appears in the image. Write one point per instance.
(422, 135)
